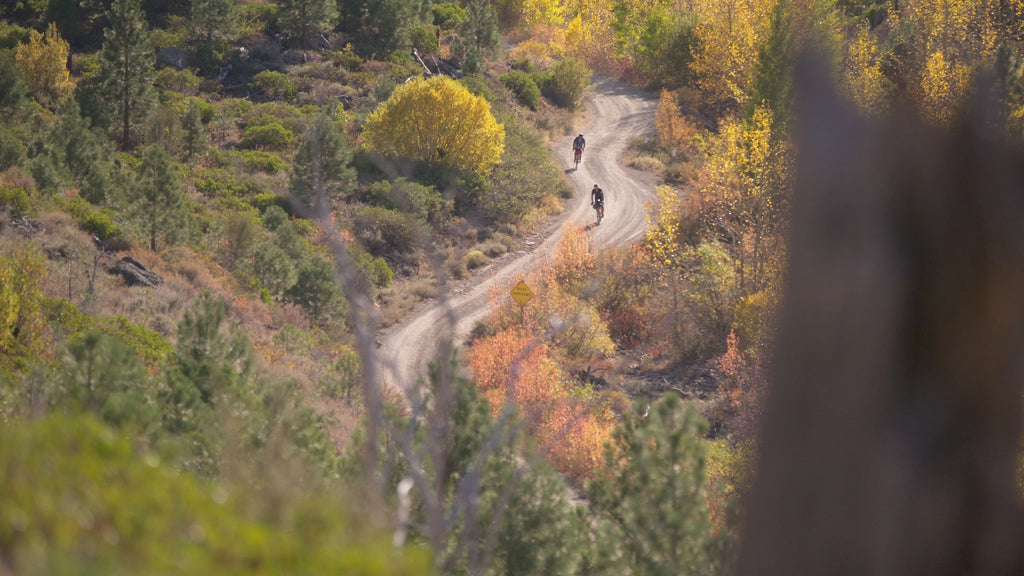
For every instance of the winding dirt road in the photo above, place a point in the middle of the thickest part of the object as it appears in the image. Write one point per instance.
(617, 114)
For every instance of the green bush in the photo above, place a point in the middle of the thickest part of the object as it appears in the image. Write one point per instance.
(256, 17)
(81, 498)
(100, 224)
(274, 85)
(449, 16)
(476, 84)
(565, 82)
(424, 202)
(424, 39)
(267, 136)
(523, 64)
(389, 234)
(12, 151)
(259, 161)
(15, 201)
(522, 85)
(220, 183)
(184, 81)
(12, 35)
(375, 269)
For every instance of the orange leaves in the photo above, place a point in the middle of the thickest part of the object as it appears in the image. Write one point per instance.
(511, 367)
(522, 362)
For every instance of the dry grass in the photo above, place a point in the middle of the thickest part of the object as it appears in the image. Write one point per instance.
(399, 299)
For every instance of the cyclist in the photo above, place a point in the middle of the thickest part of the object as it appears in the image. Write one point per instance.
(597, 201)
(578, 144)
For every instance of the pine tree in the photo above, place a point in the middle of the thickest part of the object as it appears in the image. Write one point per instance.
(195, 132)
(307, 19)
(479, 31)
(159, 202)
(213, 21)
(84, 152)
(127, 65)
(772, 76)
(650, 495)
(321, 164)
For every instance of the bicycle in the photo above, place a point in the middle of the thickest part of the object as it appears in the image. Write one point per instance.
(599, 208)
(576, 157)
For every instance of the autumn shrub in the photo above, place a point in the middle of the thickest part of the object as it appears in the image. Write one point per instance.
(573, 440)
(514, 368)
(453, 127)
(491, 248)
(476, 259)
(523, 87)
(274, 85)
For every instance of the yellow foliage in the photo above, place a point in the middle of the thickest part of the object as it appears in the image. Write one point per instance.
(21, 317)
(543, 12)
(952, 40)
(746, 179)
(729, 35)
(437, 120)
(43, 63)
(864, 81)
(589, 35)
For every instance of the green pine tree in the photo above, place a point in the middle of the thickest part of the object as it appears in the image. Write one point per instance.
(307, 19)
(321, 171)
(649, 499)
(159, 202)
(213, 21)
(195, 132)
(127, 63)
(772, 80)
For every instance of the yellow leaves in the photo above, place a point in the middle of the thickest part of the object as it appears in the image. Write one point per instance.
(21, 318)
(543, 12)
(942, 85)
(437, 120)
(730, 33)
(43, 63)
(864, 81)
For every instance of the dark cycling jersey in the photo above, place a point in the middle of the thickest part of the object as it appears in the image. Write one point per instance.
(597, 197)
(578, 143)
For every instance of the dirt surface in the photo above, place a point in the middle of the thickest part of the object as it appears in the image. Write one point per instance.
(616, 115)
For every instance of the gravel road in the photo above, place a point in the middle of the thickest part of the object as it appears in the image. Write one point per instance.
(616, 115)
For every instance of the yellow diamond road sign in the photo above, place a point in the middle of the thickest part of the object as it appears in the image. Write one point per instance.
(521, 293)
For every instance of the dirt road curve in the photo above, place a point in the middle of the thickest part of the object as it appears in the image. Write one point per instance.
(617, 114)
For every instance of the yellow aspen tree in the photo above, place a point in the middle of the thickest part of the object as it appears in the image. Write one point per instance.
(742, 200)
(437, 120)
(43, 63)
(729, 34)
(864, 81)
(589, 35)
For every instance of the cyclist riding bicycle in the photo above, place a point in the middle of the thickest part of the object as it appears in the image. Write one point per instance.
(597, 201)
(578, 144)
